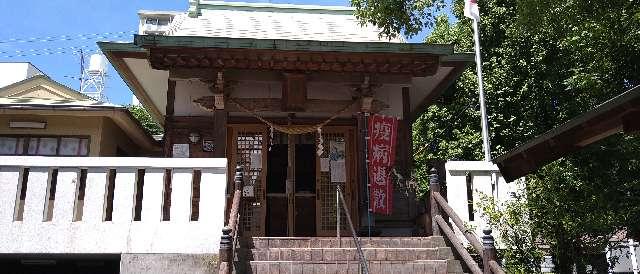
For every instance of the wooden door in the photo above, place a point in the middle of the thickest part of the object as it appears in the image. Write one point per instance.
(249, 144)
(335, 138)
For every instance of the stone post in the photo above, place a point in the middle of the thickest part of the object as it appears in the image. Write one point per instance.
(434, 187)
(488, 250)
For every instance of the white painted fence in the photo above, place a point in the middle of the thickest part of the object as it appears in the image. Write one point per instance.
(465, 181)
(50, 216)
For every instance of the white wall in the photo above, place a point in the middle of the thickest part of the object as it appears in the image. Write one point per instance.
(64, 233)
(189, 90)
(15, 72)
(482, 182)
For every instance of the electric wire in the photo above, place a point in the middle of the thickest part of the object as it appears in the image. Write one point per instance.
(69, 50)
(87, 36)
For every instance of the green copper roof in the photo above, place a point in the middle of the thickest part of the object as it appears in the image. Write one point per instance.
(296, 45)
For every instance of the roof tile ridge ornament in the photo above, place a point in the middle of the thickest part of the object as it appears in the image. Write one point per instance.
(194, 8)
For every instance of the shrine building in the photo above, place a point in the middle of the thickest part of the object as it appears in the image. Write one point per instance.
(287, 91)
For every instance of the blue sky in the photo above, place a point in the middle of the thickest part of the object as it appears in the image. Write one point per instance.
(82, 21)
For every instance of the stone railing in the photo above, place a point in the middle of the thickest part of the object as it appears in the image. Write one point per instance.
(111, 204)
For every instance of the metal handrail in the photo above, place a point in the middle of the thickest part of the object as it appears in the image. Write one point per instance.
(363, 261)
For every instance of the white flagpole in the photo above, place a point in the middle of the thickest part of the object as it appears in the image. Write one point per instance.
(483, 110)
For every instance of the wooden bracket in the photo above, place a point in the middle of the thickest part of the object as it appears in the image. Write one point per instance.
(218, 100)
(366, 104)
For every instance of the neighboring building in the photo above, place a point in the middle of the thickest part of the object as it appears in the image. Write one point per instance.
(39, 116)
(16, 71)
(156, 22)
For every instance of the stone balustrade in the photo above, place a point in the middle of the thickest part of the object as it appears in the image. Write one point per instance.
(111, 204)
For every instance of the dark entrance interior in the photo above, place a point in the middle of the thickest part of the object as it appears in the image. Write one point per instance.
(61, 265)
(291, 189)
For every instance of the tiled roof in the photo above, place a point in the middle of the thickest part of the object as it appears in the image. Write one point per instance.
(273, 21)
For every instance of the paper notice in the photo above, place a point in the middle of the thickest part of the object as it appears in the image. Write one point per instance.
(256, 160)
(338, 172)
(180, 151)
(324, 164)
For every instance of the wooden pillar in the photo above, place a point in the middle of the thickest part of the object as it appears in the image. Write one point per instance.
(168, 118)
(488, 250)
(220, 128)
(361, 165)
(290, 183)
(434, 187)
(406, 144)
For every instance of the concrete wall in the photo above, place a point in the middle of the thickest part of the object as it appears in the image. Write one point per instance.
(168, 263)
(480, 174)
(64, 232)
(112, 137)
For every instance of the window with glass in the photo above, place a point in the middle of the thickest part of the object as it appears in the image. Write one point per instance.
(44, 145)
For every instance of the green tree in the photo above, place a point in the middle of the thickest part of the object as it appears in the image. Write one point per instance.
(145, 119)
(513, 224)
(544, 63)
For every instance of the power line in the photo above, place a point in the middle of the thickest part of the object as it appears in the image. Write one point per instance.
(45, 49)
(87, 36)
(70, 50)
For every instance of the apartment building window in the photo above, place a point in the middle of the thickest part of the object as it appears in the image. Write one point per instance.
(44, 145)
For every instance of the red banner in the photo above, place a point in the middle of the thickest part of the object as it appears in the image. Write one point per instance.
(381, 148)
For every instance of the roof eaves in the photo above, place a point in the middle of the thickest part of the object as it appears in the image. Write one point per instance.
(145, 41)
(109, 46)
(609, 104)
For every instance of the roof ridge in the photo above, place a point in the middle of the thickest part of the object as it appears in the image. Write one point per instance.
(196, 6)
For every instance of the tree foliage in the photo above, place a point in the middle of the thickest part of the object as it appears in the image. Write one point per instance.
(513, 223)
(145, 119)
(544, 62)
(396, 17)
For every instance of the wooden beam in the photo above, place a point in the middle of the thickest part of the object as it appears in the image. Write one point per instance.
(631, 122)
(275, 105)
(171, 97)
(294, 92)
(414, 64)
(206, 74)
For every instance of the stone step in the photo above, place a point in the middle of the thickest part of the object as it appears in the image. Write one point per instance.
(353, 267)
(347, 254)
(333, 242)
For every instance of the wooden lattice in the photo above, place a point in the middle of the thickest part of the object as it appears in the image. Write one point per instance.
(248, 143)
(327, 189)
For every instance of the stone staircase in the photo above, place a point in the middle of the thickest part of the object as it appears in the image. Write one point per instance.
(389, 255)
